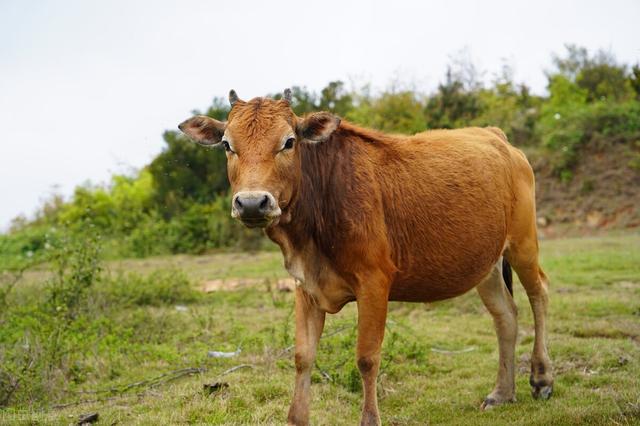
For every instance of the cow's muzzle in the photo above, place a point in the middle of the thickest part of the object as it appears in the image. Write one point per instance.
(256, 209)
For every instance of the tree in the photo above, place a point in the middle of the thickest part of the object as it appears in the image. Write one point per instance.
(599, 74)
(336, 99)
(185, 173)
(453, 105)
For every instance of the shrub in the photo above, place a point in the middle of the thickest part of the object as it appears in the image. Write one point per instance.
(42, 341)
(150, 237)
(162, 287)
(27, 246)
(565, 133)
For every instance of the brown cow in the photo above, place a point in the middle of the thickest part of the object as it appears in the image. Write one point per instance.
(368, 217)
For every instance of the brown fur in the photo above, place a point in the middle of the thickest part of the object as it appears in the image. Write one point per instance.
(370, 217)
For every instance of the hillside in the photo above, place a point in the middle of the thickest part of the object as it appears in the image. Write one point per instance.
(602, 195)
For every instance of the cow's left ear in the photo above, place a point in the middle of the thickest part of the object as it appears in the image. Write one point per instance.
(317, 127)
(204, 130)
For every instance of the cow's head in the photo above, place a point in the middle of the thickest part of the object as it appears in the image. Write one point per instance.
(262, 139)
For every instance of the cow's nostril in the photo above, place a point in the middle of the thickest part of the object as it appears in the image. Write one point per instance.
(264, 203)
(238, 203)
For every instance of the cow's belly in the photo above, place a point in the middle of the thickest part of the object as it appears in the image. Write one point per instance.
(426, 275)
(447, 254)
(424, 289)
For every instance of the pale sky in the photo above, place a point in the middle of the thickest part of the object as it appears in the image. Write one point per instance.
(88, 87)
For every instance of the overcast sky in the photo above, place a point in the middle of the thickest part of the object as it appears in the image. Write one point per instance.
(87, 87)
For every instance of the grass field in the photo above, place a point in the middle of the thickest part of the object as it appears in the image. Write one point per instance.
(439, 360)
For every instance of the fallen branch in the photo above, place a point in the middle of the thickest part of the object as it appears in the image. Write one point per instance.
(155, 381)
(446, 352)
(232, 369)
(150, 383)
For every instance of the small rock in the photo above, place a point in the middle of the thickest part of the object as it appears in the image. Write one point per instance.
(219, 354)
(211, 388)
(87, 419)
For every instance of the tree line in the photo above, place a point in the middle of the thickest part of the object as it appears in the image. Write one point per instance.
(179, 203)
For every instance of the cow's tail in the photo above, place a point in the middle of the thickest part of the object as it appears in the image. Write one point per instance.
(507, 275)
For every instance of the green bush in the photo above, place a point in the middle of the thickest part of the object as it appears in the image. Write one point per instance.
(51, 335)
(566, 133)
(148, 238)
(42, 342)
(162, 287)
(26, 246)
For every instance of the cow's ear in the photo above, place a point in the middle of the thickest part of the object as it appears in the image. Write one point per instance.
(204, 130)
(317, 127)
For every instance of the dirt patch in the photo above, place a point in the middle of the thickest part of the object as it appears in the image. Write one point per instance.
(603, 193)
(231, 284)
(602, 334)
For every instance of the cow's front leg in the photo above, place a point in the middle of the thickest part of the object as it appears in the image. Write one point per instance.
(309, 325)
(372, 314)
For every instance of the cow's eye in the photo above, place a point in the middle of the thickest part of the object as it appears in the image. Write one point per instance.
(226, 146)
(289, 143)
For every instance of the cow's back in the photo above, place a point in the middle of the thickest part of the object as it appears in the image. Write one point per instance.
(447, 198)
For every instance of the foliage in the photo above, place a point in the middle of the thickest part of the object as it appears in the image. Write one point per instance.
(185, 173)
(179, 203)
(39, 339)
(161, 287)
(23, 247)
(399, 112)
(453, 105)
(598, 75)
(50, 335)
(566, 130)
(76, 262)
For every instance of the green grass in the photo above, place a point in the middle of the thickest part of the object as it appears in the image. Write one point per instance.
(594, 342)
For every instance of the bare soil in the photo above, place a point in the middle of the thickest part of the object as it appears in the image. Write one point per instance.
(602, 195)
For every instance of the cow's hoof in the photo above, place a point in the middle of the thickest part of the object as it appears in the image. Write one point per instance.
(542, 391)
(541, 388)
(492, 402)
(488, 404)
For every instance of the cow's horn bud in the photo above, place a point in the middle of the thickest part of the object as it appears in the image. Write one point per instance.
(287, 95)
(233, 97)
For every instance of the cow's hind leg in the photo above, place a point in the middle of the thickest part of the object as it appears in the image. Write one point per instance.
(522, 254)
(499, 302)
(524, 260)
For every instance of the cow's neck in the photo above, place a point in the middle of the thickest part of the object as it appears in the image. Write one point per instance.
(324, 200)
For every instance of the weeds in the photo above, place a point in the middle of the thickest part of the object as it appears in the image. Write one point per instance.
(161, 287)
(51, 342)
(129, 342)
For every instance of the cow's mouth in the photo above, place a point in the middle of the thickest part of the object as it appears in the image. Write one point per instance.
(259, 222)
(256, 223)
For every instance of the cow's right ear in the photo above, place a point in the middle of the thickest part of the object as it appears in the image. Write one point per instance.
(204, 130)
